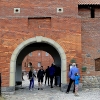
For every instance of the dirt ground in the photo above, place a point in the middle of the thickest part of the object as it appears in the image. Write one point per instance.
(1, 98)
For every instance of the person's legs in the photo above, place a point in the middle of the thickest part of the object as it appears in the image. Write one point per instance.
(41, 83)
(58, 80)
(38, 83)
(41, 86)
(76, 90)
(55, 80)
(30, 84)
(74, 87)
(51, 81)
(70, 83)
(33, 83)
(45, 79)
(48, 80)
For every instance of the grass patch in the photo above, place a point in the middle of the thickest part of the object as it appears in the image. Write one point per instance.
(1, 98)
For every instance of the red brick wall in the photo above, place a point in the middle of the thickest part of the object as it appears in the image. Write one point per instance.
(90, 40)
(97, 12)
(65, 31)
(35, 8)
(84, 12)
(64, 28)
(35, 58)
(90, 43)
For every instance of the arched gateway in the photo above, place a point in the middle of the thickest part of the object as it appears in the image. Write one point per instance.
(38, 41)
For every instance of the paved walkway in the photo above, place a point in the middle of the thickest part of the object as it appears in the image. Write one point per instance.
(51, 94)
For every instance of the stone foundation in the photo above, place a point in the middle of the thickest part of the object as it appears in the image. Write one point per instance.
(8, 90)
(91, 81)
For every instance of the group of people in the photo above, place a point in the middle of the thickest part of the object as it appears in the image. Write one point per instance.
(54, 72)
(51, 73)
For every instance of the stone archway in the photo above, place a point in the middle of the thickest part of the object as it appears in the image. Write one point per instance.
(38, 39)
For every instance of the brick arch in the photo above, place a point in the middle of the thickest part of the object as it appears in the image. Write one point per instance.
(37, 39)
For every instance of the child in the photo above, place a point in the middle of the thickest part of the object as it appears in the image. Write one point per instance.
(77, 77)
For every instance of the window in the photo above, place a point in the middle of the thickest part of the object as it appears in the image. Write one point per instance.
(97, 64)
(30, 54)
(39, 54)
(92, 12)
(47, 54)
(39, 64)
(28, 65)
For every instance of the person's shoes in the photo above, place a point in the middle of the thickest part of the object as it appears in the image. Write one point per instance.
(38, 88)
(67, 92)
(51, 86)
(76, 95)
(31, 89)
(41, 88)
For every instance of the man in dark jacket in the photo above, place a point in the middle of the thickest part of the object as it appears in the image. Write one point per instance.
(40, 76)
(51, 73)
(47, 75)
(58, 76)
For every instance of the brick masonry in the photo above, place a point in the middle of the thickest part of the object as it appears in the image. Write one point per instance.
(90, 46)
(35, 58)
(41, 19)
(17, 27)
(15, 30)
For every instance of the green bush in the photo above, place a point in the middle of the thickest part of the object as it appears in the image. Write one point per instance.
(73, 61)
(84, 69)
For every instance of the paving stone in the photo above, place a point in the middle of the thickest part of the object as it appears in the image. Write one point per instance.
(51, 94)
